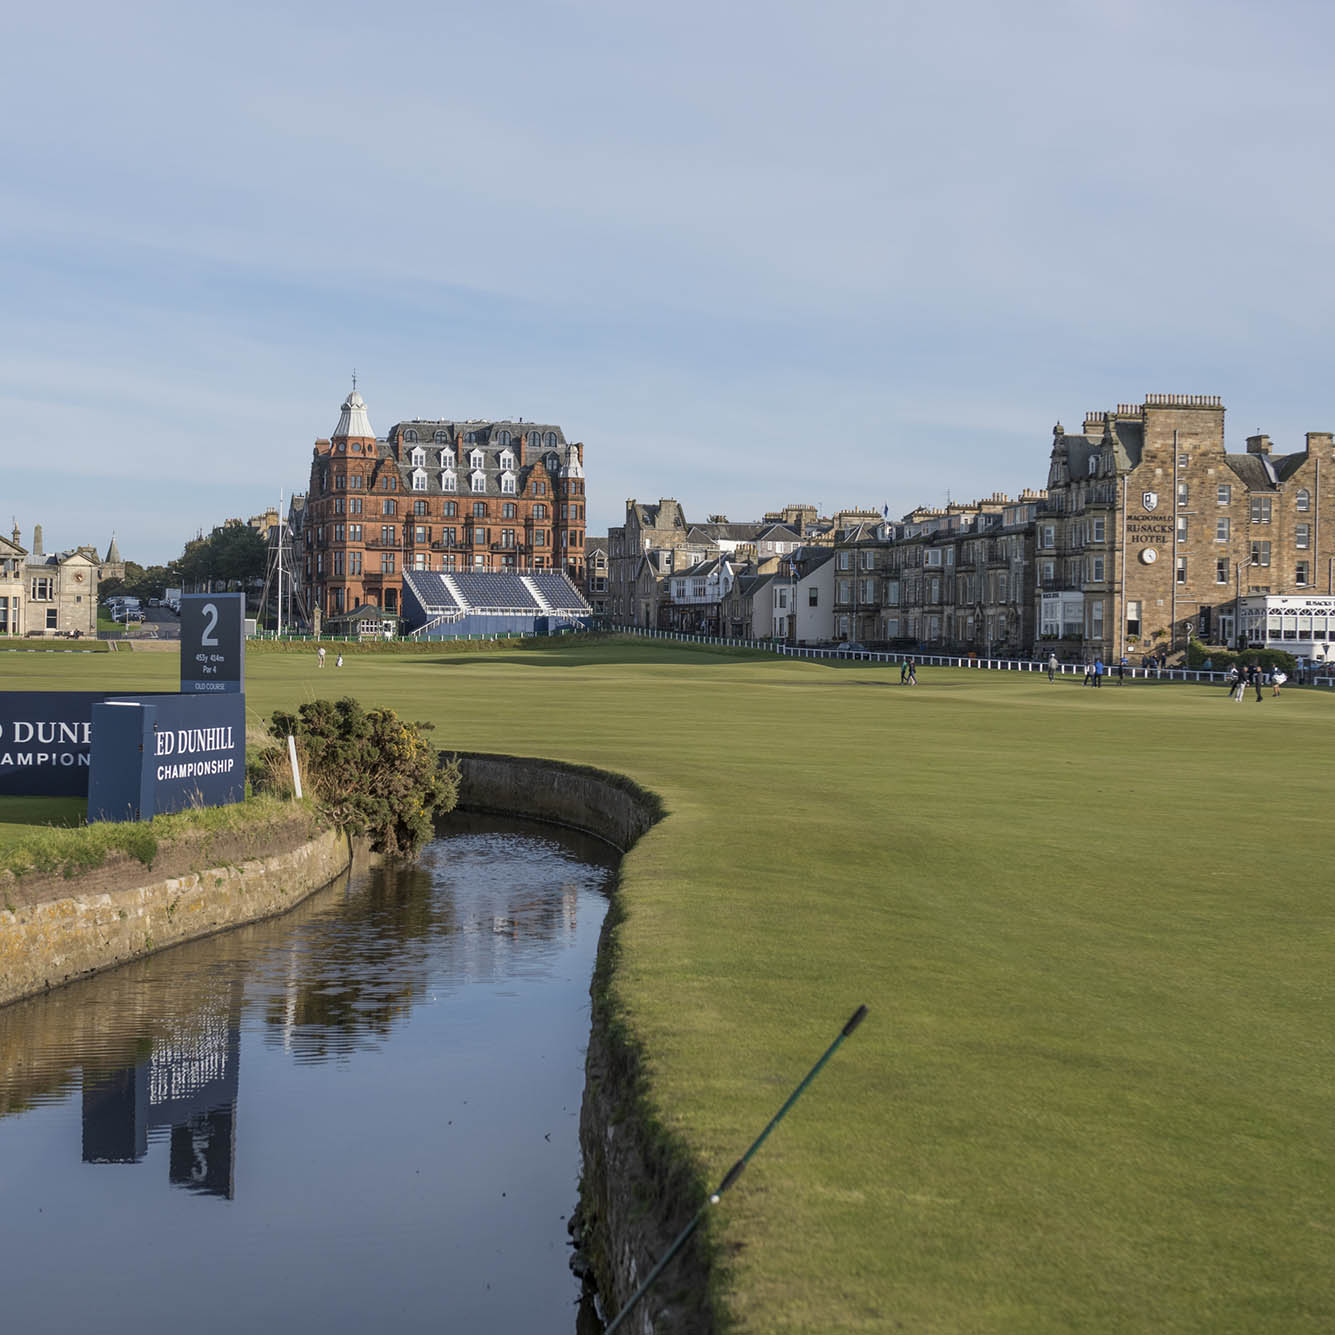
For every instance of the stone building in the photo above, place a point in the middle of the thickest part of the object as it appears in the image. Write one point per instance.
(1154, 531)
(436, 495)
(47, 594)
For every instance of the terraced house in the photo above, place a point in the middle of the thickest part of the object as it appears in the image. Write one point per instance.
(437, 495)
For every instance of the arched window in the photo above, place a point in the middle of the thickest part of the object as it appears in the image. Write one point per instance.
(551, 438)
(447, 482)
(535, 438)
(441, 438)
(479, 481)
(503, 438)
(1303, 501)
(471, 438)
(410, 435)
(1093, 464)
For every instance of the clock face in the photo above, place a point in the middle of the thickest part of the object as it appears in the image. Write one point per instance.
(1149, 556)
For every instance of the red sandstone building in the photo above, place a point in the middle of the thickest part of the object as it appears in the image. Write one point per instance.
(437, 495)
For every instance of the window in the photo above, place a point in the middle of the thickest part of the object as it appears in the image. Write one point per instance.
(1221, 570)
(1093, 464)
(418, 456)
(1183, 460)
(845, 560)
(338, 532)
(551, 438)
(891, 592)
(1096, 574)
(503, 438)
(507, 459)
(420, 533)
(447, 458)
(440, 438)
(479, 509)
(479, 481)
(387, 535)
(507, 537)
(419, 480)
(1222, 528)
(354, 532)
(419, 508)
(869, 560)
(389, 483)
(1260, 509)
(540, 538)
(508, 510)
(1132, 619)
(354, 563)
(1098, 530)
(1302, 536)
(354, 505)
(508, 484)
(699, 589)
(1181, 528)
(1047, 535)
(868, 590)
(340, 505)
(1302, 573)
(475, 459)
(679, 588)
(1047, 572)
(448, 482)
(1302, 502)
(52, 618)
(387, 563)
(539, 488)
(1181, 570)
(479, 537)
(933, 557)
(340, 482)
(388, 507)
(813, 597)
(449, 536)
(535, 439)
(1183, 494)
(410, 435)
(450, 509)
(1260, 553)
(539, 512)
(41, 589)
(419, 561)
(1225, 493)
(338, 558)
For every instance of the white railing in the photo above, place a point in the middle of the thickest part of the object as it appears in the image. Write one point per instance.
(1325, 678)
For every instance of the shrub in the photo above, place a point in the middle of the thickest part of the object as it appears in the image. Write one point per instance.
(1221, 659)
(372, 774)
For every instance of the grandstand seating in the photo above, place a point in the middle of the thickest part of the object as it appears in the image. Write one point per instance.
(561, 595)
(483, 591)
(432, 591)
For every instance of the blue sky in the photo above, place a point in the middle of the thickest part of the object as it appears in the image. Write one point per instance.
(751, 253)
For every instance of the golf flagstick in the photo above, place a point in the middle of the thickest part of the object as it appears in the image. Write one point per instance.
(735, 1171)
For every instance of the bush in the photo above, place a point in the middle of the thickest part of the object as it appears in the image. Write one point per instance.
(371, 773)
(1222, 659)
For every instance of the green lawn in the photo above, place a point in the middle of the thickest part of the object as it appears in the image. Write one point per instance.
(1095, 1088)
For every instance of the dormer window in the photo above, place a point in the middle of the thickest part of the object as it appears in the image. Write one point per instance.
(503, 438)
(1093, 464)
(507, 459)
(419, 479)
(475, 459)
(508, 484)
(448, 482)
(419, 457)
(479, 480)
(441, 438)
(471, 438)
(535, 438)
(551, 438)
(410, 436)
(447, 458)
(552, 462)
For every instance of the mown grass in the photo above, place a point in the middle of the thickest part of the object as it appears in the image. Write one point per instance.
(1093, 929)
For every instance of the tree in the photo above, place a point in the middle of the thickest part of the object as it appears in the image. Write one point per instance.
(372, 774)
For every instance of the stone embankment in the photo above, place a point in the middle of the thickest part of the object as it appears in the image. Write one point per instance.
(53, 930)
(638, 1188)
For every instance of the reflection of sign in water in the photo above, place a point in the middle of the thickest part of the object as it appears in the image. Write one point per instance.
(188, 1083)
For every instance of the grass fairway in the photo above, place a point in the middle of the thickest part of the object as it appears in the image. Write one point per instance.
(1094, 930)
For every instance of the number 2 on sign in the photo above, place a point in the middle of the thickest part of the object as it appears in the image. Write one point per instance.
(211, 624)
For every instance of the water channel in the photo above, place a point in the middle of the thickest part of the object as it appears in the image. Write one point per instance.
(362, 1115)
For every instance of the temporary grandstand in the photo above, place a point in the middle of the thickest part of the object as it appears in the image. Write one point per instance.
(448, 604)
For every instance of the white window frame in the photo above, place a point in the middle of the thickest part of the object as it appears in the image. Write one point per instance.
(448, 481)
(478, 481)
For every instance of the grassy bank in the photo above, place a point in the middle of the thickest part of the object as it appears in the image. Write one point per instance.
(1094, 1088)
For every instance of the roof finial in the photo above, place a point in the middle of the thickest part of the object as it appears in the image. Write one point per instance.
(354, 379)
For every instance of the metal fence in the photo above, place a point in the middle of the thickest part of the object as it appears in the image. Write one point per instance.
(1326, 676)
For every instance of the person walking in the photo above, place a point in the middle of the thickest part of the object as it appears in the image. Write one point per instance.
(1241, 688)
(1089, 675)
(1098, 672)
(913, 673)
(1231, 679)
(319, 656)
(1052, 667)
(1258, 676)
(1121, 670)
(904, 671)
(1277, 679)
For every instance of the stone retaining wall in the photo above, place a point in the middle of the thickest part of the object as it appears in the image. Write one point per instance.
(637, 1188)
(54, 930)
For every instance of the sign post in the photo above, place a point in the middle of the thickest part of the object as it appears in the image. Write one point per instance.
(213, 643)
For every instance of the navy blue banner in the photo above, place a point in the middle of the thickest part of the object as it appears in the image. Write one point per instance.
(155, 754)
(45, 741)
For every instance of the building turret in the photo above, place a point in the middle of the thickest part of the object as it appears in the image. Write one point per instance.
(353, 423)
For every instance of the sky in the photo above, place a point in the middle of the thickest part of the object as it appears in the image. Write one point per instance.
(844, 253)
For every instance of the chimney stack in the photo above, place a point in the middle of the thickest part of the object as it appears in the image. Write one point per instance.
(37, 540)
(1258, 444)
